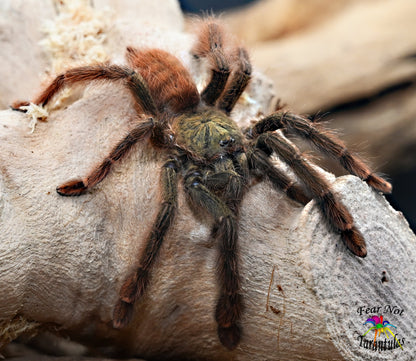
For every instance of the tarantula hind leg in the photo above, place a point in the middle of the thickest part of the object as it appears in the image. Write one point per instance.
(79, 186)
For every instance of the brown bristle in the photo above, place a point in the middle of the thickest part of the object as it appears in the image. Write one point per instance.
(129, 288)
(230, 336)
(19, 103)
(355, 242)
(168, 80)
(379, 183)
(122, 314)
(72, 188)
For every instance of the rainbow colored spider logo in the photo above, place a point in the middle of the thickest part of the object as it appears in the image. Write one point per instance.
(379, 327)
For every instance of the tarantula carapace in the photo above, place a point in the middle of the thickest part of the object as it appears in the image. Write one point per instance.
(215, 160)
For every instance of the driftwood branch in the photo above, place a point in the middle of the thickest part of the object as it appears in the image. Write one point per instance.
(62, 260)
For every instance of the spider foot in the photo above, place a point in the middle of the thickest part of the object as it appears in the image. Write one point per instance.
(122, 314)
(354, 242)
(227, 314)
(229, 336)
(131, 290)
(379, 184)
(19, 103)
(228, 310)
(72, 188)
(128, 290)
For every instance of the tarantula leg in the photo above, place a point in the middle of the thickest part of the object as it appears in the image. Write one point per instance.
(210, 45)
(332, 209)
(86, 74)
(80, 186)
(237, 84)
(324, 141)
(229, 305)
(136, 283)
(258, 160)
(19, 103)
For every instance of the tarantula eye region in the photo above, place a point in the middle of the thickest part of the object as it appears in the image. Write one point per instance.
(171, 139)
(194, 179)
(171, 165)
(227, 142)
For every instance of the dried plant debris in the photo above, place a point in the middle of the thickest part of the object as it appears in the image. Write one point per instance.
(36, 112)
(76, 35)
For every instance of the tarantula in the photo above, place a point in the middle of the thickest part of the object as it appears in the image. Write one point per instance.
(214, 159)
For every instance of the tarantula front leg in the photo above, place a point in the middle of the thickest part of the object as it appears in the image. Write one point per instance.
(79, 186)
(332, 209)
(324, 141)
(229, 305)
(210, 45)
(135, 284)
(237, 83)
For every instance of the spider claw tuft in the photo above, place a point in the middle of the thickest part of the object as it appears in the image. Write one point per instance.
(72, 188)
(354, 242)
(229, 336)
(228, 310)
(17, 104)
(379, 184)
(129, 289)
(122, 314)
